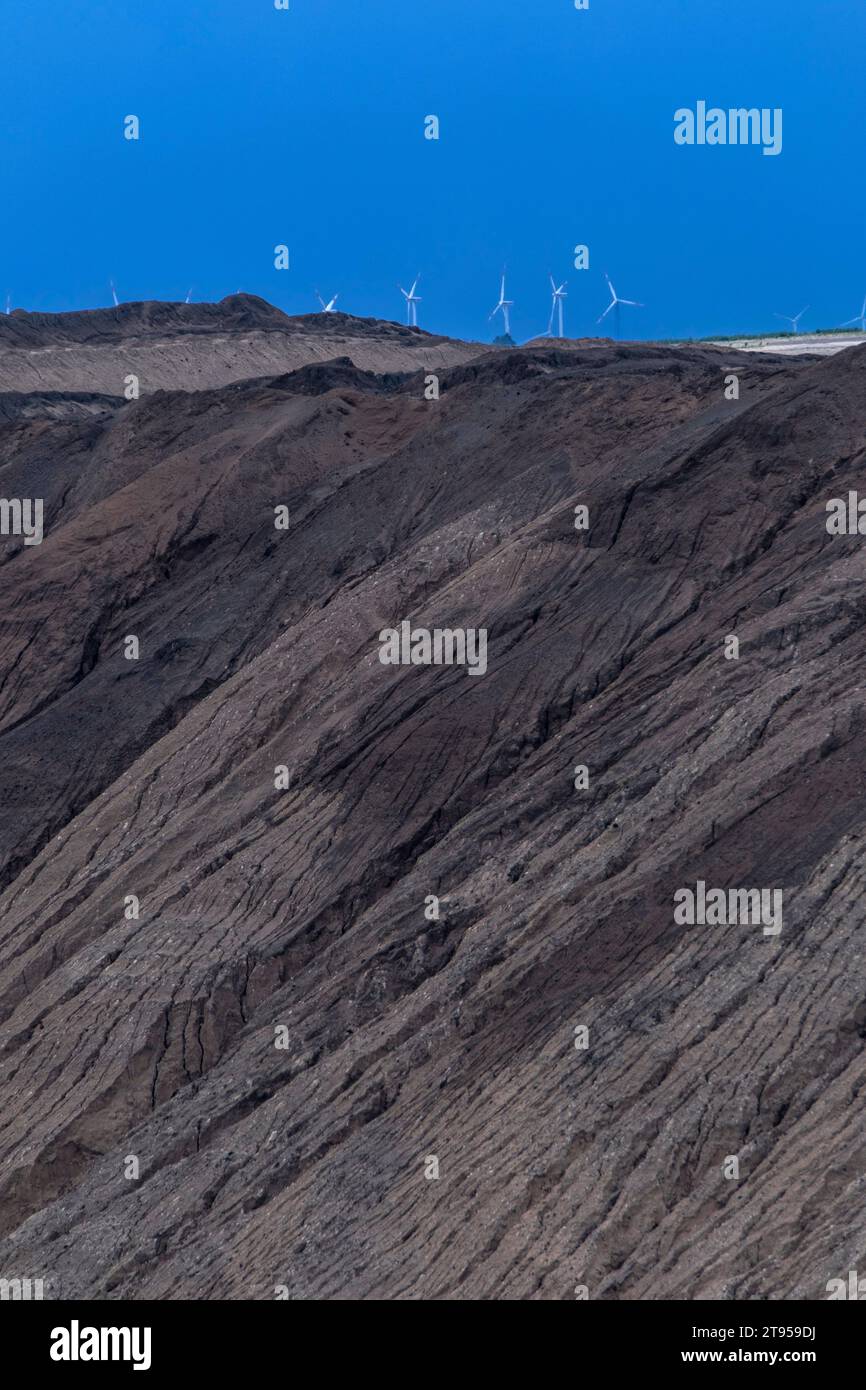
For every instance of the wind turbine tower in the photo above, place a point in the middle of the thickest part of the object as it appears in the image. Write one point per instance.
(503, 307)
(792, 321)
(615, 302)
(559, 295)
(412, 299)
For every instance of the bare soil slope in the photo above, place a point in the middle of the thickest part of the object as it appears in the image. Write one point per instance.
(411, 1037)
(200, 346)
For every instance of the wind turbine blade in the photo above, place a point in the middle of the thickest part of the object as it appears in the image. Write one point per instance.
(635, 303)
(607, 311)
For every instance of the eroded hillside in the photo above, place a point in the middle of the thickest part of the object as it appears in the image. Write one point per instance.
(306, 914)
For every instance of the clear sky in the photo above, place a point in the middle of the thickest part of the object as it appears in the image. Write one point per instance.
(306, 127)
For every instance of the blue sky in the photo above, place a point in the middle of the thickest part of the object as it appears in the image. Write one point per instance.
(305, 127)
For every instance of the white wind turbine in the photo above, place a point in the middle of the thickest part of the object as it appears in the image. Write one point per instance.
(329, 307)
(189, 294)
(114, 294)
(504, 305)
(792, 321)
(9, 304)
(411, 299)
(615, 301)
(859, 318)
(559, 295)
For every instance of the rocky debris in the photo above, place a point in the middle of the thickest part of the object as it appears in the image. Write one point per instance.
(431, 912)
